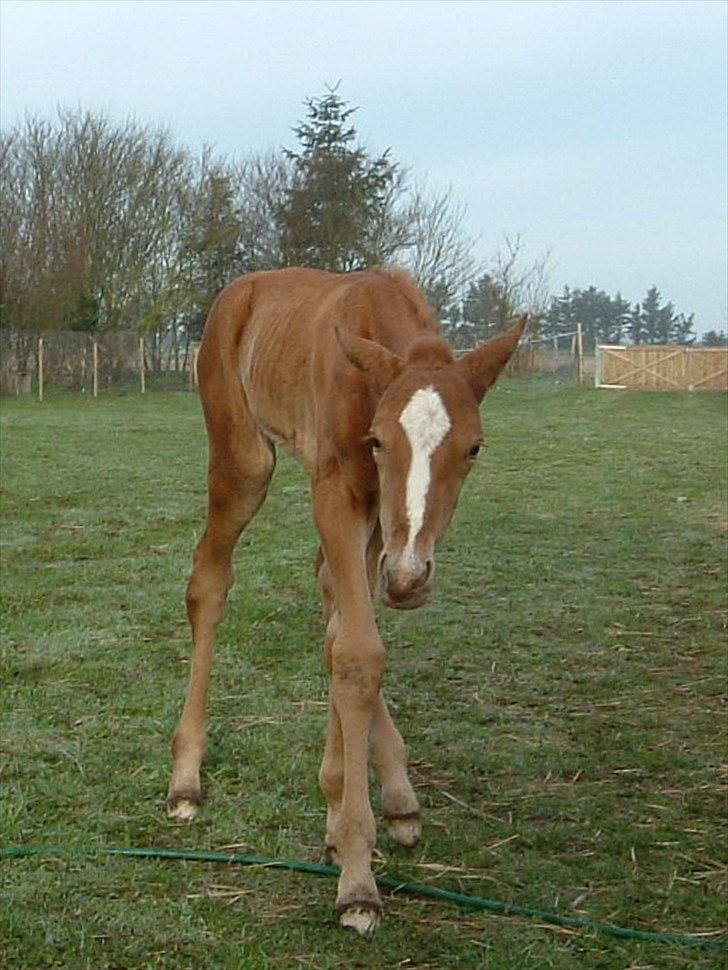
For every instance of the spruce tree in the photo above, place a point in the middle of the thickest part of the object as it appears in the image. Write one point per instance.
(656, 322)
(485, 310)
(601, 316)
(682, 329)
(715, 338)
(332, 214)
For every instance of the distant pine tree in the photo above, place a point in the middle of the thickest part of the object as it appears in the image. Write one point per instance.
(653, 323)
(715, 338)
(485, 310)
(682, 329)
(602, 317)
(635, 331)
(560, 315)
(607, 319)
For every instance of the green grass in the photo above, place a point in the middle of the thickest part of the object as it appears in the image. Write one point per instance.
(560, 694)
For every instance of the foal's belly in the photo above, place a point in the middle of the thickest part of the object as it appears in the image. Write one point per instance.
(275, 370)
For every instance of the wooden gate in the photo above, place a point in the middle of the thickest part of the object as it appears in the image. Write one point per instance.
(654, 367)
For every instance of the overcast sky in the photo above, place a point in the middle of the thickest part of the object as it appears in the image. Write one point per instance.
(595, 129)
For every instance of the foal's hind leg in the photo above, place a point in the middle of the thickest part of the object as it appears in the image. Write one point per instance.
(388, 753)
(400, 807)
(240, 469)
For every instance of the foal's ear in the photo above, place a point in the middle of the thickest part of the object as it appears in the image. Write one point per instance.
(380, 365)
(481, 366)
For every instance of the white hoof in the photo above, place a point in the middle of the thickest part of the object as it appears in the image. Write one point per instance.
(404, 831)
(361, 918)
(183, 810)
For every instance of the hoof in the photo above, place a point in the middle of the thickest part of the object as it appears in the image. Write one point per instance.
(183, 807)
(362, 917)
(405, 829)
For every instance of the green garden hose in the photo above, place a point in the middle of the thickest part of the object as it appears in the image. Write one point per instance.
(385, 882)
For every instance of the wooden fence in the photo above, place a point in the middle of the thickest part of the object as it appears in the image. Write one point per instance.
(662, 368)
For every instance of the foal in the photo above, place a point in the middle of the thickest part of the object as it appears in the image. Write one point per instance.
(349, 373)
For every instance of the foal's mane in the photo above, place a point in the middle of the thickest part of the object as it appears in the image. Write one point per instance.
(379, 298)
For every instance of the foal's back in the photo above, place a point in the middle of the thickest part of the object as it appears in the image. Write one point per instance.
(275, 334)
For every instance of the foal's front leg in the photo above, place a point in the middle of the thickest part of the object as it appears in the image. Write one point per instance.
(388, 753)
(386, 748)
(356, 668)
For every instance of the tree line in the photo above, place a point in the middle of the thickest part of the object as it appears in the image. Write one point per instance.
(110, 226)
(604, 319)
(490, 300)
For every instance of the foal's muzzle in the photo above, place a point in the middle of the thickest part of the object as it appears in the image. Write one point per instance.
(405, 584)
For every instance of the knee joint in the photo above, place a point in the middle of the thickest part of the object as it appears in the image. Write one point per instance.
(331, 780)
(359, 670)
(208, 588)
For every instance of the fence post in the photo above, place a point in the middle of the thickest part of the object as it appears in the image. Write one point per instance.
(95, 360)
(40, 368)
(193, 354)
(141, 364)
(580, 353)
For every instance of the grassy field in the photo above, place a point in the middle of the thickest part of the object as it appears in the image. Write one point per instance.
(560, 695)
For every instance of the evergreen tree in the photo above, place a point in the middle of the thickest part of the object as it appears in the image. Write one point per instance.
(635, 328)
(559, 317)
(595, 313)
(682, 329)
(620, 320)
(84, 314)
(332, 213)
(653, 323)
(601, 316)
(714, 338)
(210, 243)
(485, 311)
(607, 319)
(655, 320)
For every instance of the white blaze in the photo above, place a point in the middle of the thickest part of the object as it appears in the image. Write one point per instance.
(426, 422)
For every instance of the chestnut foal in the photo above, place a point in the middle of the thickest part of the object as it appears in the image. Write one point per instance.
(349, 373)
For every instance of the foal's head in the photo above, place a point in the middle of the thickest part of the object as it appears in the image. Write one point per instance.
(425, 437)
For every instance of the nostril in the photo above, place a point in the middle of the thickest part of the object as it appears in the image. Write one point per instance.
(399, 580)
(424, 576)
(426, 573)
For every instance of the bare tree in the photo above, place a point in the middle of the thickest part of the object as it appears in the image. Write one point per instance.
(436, 248)
(262, 183)
(112, 226)
(523, 284)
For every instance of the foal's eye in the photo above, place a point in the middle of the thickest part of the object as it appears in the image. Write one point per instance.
(376, 444)
(474, 451)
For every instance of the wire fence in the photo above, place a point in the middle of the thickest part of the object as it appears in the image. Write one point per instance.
(91, 364)
(558, 357)
(123, 362)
